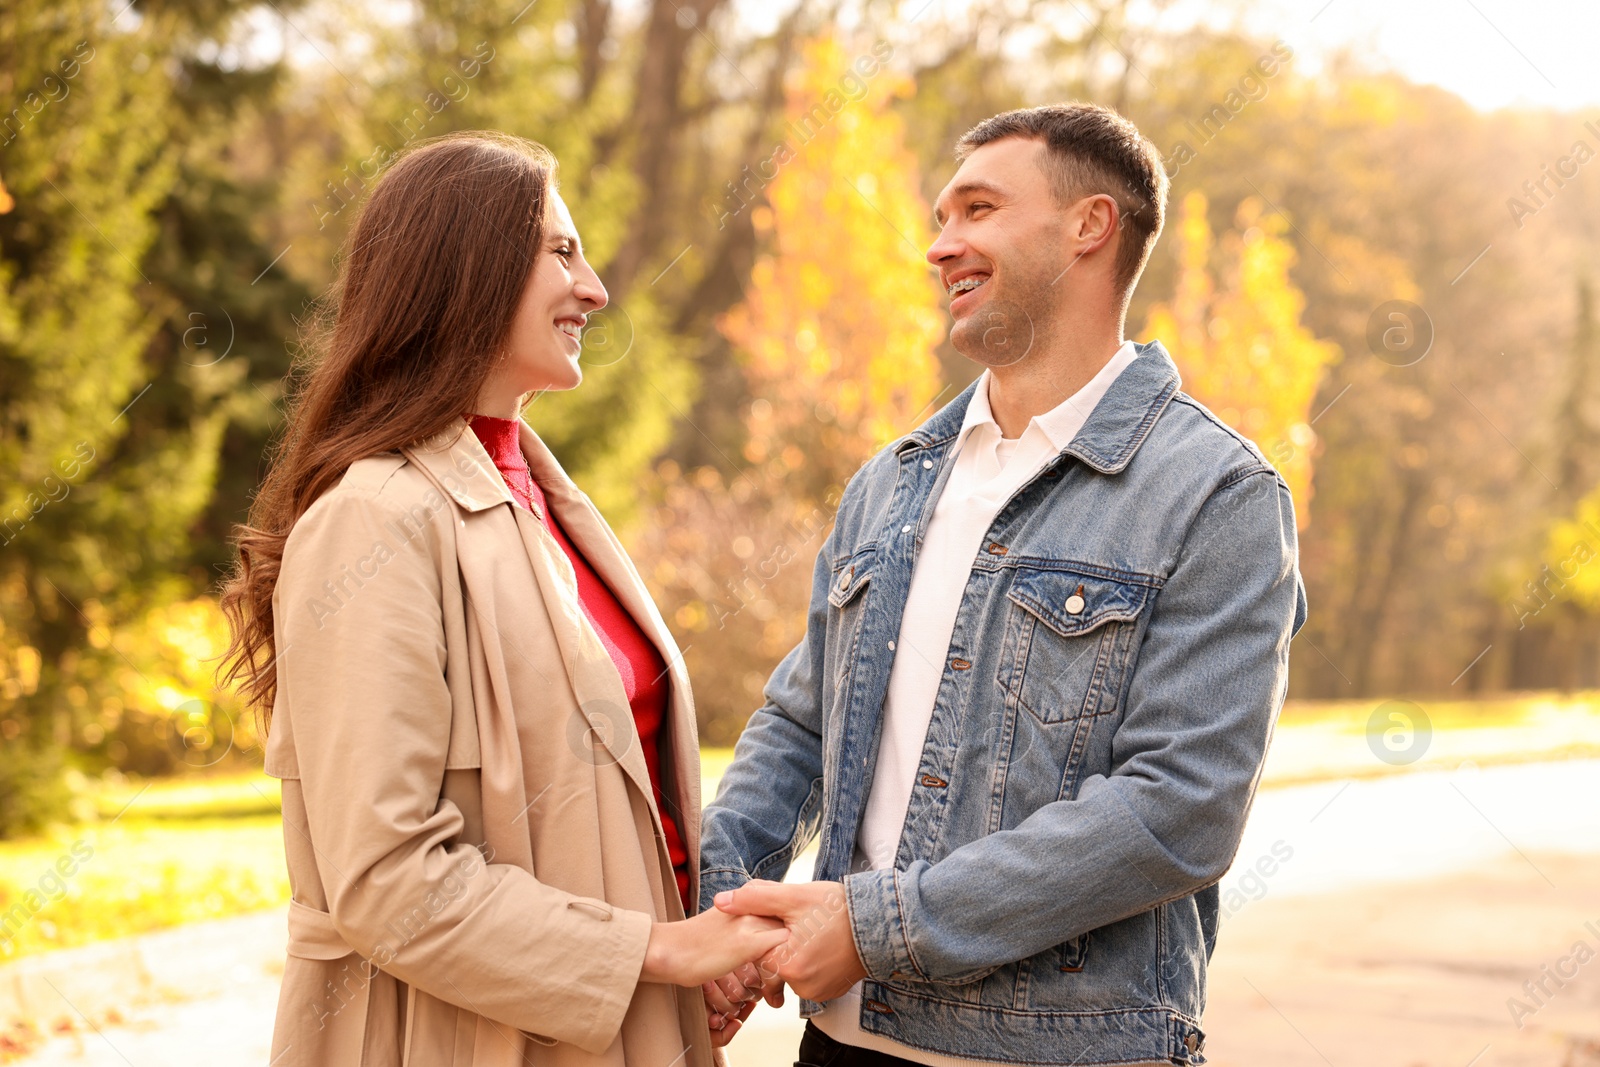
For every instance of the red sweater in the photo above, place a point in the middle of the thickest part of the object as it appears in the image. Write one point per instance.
(644, 672)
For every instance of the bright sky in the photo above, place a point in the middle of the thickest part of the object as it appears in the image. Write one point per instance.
(1492, 53)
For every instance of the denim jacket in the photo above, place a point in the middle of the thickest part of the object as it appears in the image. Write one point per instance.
(1086, 774)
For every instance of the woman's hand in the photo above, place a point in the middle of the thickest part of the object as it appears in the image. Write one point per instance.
(708, 946)
(731, 998)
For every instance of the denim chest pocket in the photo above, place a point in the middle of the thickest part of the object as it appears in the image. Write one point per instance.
(846, 602)
(1069, 641)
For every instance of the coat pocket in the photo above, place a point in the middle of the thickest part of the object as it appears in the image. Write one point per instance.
(1068, 640)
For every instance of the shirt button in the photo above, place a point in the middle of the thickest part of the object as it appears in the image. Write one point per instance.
(891, 646)
(906, 528)
(927, 464)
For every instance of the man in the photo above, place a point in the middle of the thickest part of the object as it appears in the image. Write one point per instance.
(1047, 641)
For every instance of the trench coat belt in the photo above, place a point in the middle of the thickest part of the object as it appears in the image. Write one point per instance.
(312, 936)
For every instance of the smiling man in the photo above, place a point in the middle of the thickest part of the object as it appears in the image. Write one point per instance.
(1047, 641)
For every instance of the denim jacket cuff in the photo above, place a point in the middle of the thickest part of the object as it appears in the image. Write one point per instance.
(878, 924)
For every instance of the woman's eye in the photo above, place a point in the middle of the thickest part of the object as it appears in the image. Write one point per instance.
(565, 251)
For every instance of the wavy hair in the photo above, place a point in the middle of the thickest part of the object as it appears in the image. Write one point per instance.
(419, 313)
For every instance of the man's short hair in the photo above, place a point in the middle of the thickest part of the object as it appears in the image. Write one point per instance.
(1091, 149)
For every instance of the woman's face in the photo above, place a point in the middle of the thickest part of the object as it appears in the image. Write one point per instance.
(543, 349)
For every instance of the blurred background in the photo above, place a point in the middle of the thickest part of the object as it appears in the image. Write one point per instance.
(1380, 264)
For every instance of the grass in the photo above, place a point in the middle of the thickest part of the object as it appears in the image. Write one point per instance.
(180, 852)
(162, 853)
(1506, 710)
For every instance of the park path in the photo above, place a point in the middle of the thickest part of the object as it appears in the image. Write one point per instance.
(1397, 933)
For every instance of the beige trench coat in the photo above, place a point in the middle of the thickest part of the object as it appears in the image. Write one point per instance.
(473, 847)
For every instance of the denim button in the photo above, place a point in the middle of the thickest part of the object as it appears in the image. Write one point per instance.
(891, 646)
(927, 464)
(1074, 604)
(906, 528)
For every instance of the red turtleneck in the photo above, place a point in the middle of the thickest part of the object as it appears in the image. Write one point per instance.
(644, 672)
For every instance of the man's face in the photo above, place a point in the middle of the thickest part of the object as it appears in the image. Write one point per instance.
(1000, 250)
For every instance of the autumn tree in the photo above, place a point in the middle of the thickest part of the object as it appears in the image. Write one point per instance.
(1234, 328)
(835, 336)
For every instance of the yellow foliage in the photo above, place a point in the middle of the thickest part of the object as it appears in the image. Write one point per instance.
(1574, 545)
(840, 320)
(1234, 330)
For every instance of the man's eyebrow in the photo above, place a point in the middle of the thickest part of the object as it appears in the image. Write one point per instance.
(966, 189)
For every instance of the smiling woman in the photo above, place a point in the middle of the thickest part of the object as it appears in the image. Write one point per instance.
(491, 692)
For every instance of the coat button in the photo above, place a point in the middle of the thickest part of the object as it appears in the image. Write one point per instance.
(1074, 604)
(891, 646)
(844, 579)
(1192, 1042)
(927, 464)
(906, 528)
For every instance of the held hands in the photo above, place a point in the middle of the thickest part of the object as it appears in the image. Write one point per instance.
(819, 957)
(707, 946)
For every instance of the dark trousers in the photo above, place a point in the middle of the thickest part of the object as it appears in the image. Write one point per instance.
(817, 1049)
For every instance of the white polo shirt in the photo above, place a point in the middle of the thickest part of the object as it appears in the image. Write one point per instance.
(988, 469)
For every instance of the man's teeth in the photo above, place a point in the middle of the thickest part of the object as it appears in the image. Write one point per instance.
(966, 285)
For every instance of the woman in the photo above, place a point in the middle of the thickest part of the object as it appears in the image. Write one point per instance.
(484, 730)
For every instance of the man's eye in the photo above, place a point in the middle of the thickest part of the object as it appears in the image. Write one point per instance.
(981, 206)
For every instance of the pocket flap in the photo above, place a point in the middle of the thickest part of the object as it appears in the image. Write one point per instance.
(1073, 602)
(851, 576)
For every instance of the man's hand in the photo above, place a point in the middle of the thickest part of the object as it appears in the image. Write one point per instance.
(819, 960)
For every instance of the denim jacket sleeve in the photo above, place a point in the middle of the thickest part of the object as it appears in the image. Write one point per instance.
(769, 805)
(1210, 678)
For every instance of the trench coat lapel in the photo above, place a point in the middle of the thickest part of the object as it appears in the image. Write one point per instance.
(599, 545)
(462, 467)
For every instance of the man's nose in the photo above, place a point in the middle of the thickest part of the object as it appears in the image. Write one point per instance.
(945, 246)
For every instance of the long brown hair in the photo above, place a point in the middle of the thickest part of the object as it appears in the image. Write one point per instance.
(420, 312)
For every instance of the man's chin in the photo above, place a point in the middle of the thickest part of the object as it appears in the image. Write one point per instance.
(997, 333)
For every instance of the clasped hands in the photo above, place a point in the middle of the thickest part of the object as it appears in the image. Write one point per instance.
(817, 957)
(757, 938)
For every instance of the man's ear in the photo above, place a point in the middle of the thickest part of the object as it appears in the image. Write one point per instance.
(1095, 223)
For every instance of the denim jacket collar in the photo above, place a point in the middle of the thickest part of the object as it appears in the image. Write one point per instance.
(1114, 430)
